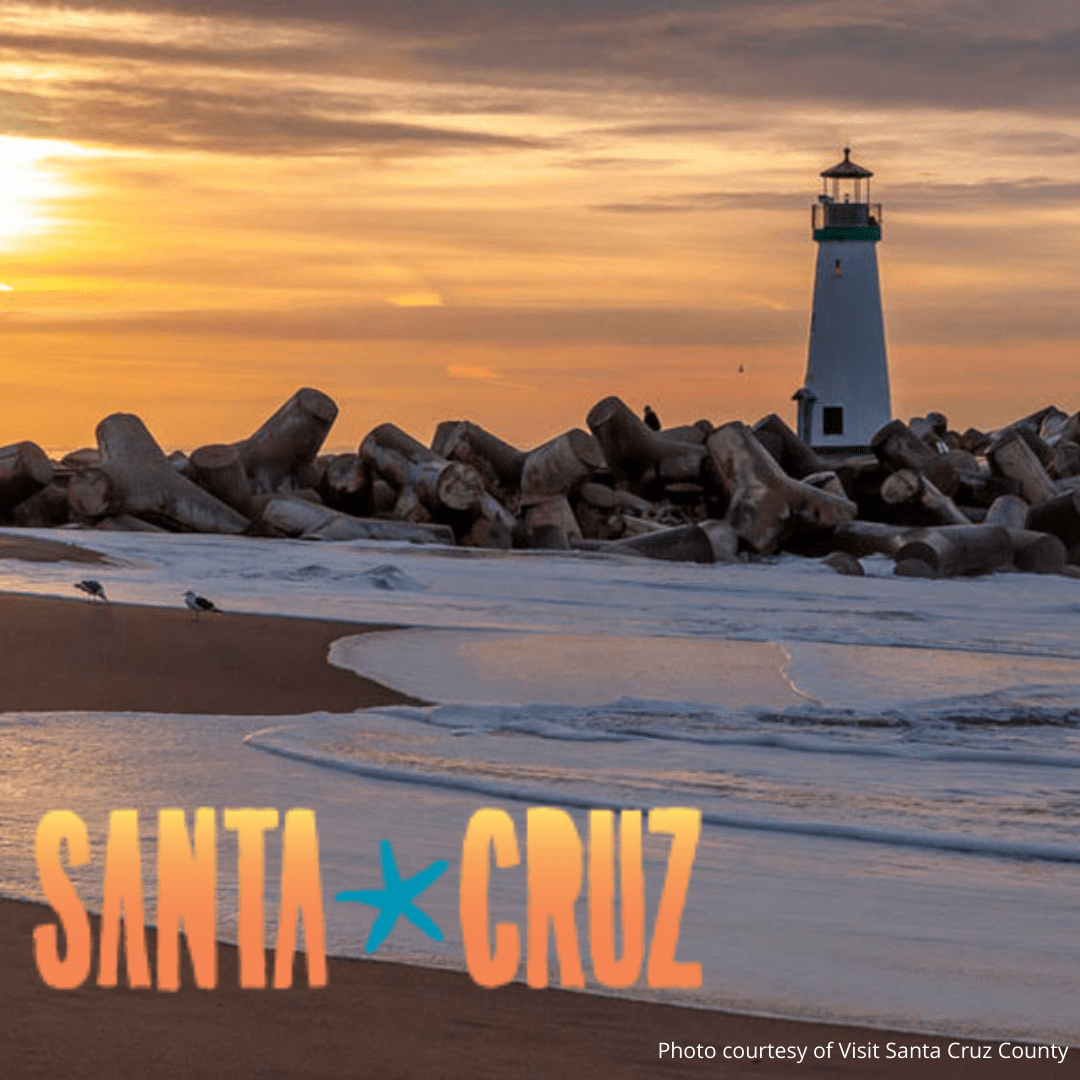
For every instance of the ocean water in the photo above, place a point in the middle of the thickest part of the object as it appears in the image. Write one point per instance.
(888, 769)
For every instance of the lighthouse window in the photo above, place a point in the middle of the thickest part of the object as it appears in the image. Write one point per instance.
(836, 269)
(832, 420)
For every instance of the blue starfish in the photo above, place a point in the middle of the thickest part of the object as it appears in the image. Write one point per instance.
(397, 898)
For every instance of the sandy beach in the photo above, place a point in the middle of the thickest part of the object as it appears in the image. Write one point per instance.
(374, 1018)
(72, 654)
(385, 1020)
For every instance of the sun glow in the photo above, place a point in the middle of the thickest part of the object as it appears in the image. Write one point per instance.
(31, 180)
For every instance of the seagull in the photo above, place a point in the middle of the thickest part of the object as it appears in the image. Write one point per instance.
(199, 603)
(93, 589)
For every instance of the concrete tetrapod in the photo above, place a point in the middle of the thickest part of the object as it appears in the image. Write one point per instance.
(135, 478)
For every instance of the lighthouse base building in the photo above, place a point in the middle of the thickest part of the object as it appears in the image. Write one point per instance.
(844, 400)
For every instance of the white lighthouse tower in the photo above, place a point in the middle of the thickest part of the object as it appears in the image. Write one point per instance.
(845, 398)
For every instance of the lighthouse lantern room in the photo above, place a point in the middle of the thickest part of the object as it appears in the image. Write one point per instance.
(845, 398)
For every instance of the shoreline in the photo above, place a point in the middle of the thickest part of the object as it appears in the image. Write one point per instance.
(72, 655)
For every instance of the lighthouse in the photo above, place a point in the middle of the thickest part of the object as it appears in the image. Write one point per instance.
(844, 400)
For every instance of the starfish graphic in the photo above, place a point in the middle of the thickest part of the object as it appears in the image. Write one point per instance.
(397, 898)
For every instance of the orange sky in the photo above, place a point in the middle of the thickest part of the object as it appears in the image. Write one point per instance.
(454, 210)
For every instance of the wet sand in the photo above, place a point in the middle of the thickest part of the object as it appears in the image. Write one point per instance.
(88, 655)
(35, 549)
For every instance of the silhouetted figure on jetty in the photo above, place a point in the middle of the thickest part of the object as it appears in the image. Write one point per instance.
(651, 419)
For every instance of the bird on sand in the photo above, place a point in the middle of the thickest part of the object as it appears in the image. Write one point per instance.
(93, 589)
(198, 604)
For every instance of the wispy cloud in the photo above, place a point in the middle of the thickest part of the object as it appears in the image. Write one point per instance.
(756, 324)
(701, 201)
(173, 117)
(476, 373)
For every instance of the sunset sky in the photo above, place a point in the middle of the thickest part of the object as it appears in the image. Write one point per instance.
(505, 211)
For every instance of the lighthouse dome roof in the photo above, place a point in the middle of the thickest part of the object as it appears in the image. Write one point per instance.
(847, 169)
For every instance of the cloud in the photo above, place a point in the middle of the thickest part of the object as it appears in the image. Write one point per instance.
(915, 315)
(629, 326)
(472, 373)
(928, 196)
(985, 319)
(673, 129)
(839, 53)
(486, 375)
(420, 298)
(636, 165)
(267, 122)
(859, 53)
(697, 201)
(1036, 191)
(171, 79)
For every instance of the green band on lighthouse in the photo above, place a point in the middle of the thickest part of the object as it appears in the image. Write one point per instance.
(849, 232)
